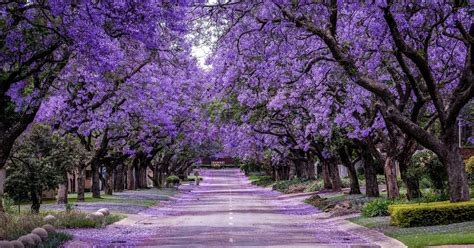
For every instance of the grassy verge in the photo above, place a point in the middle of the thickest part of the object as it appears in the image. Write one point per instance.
(262, 181)
(72, 199)
(77, 219)
(459, 233)
(13, 226)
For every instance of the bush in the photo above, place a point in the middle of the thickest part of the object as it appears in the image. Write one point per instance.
(315, 186)
(470, 167)
(377, 207)
(425, 166)
(250, 167)
(428, 214)
(172, 180)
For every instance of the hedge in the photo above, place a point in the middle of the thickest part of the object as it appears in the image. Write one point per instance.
(429, 214)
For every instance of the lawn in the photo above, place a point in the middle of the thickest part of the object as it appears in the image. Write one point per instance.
(127, 202)
(261, 180)
(458, 233)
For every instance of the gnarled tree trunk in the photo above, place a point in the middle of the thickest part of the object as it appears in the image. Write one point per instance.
(371, 185)
(391, 178)
(457, 178)
(354, 181)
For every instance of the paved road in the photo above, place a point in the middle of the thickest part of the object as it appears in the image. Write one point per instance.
(226, 210)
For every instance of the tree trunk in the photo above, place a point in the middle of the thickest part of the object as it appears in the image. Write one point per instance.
(3, 174)
(95, 179)
(35, 201)
(354, 181)
(310, 170)
(118, 178)
(108, 181)
(371, 185)
(81, 183)
(412, 185)
(63, 190)
(143, 175)
(326, 175)
(391, 178)
(334, 174)
(457, 178)
(137, 173)
(301, 168)
(156, 176)
(130, 178)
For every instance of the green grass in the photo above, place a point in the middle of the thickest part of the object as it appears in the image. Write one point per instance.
(78, 220)
(459, 233)
(72, 198)
(261, 180)
(428, 239)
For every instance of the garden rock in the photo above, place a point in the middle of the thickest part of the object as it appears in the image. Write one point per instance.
(26, 240)
(35, 238)
(43, 234)
(17, 244)
(49, 228)
(5, 244)
(95, 216)
(49, 218)
(99, 215)
(104, 211)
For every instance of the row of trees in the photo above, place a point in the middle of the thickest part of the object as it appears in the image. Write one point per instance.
(336, 82)
(113, 79)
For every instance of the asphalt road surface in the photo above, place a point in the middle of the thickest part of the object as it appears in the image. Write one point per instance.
(227, 211)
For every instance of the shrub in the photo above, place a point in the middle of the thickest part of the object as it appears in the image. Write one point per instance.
(470, 167)
(428, 214)
(315, 186)
(172, 180)
(346, 182)
(377, 207)
(250, 166)
(425, 166)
